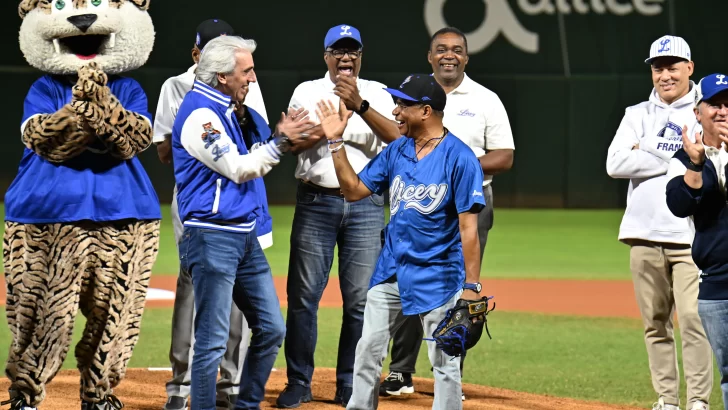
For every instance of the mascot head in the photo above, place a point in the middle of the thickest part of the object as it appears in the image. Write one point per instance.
(60, 36)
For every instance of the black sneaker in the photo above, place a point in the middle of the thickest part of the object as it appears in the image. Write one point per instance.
(343, 395)
(175, 403)
(227, 402)
(293, 395)
(110, 402)
(396, 383)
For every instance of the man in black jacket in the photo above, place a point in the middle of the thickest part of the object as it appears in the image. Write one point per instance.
(698, 190)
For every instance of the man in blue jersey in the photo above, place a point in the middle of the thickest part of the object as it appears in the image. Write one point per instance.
(219, 202)
(434, 179)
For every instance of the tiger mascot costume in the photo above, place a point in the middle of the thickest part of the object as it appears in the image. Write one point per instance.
(82, 218)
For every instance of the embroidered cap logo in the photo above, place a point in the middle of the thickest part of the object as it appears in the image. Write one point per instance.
(664, 44)
(406, 80)
(345, 31)
(721, 79)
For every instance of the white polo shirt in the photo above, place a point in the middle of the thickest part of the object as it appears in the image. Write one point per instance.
(174, 91)
(315, 165)
(477, 116)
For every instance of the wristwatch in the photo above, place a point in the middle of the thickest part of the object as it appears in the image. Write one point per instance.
(363, 108)
(695, 167)
(473, 286)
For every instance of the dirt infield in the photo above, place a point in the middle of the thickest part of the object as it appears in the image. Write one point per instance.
(144, 390)
(567, 297)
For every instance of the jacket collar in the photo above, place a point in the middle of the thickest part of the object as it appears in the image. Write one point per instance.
(211, 93)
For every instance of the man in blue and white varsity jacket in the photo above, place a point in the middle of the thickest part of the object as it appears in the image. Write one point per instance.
(219, 203)
(697, 189)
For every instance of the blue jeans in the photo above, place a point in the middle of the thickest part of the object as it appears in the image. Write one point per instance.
(321, 222)
(714, 315)
(227, 267)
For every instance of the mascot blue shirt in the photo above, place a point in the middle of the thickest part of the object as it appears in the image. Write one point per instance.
(91, 186)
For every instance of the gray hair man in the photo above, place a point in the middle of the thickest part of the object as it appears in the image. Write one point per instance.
(218, 202)
(170, 98)
(697, 190)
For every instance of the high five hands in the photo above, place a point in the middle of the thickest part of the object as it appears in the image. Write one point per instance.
(333, 122)
(293, 126)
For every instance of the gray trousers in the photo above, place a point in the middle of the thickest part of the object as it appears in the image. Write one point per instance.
(382, 317)
(183, 319)
(407, 340)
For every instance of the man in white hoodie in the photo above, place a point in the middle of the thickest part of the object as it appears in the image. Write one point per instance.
(663, 270)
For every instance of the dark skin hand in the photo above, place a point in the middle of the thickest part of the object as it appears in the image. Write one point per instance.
(348, 92)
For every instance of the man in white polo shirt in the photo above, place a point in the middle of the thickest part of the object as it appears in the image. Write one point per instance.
(475, 115)
(171, 96)
(324, 219)
(664, 274)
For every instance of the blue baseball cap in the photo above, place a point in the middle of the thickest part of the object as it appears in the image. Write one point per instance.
(709, 86)
(337, 33)
(421, 88)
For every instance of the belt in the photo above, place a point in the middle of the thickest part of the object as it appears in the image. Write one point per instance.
(324, 190)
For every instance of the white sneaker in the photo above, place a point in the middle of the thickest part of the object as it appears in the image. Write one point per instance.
(660, 405)
(17, 403)
(699, 405)
(463, 397)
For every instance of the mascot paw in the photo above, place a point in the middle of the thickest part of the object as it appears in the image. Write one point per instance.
(94, 73)
(88, 110)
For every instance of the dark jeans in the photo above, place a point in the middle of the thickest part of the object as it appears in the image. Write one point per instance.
(714, 315)
(321, 222)
(228, 267)
(407, 340)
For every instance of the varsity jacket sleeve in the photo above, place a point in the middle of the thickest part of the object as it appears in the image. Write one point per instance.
(625, 162)
(203, 136)
(682, 200)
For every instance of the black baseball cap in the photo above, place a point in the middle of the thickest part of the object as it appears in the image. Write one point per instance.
(210, 29)
(421, 88)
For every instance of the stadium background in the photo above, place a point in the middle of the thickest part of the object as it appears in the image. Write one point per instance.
(564, 101)
(567, 324)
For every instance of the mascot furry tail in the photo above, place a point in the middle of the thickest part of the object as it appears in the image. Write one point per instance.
(82, 217)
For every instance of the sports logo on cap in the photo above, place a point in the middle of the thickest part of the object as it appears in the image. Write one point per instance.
(406, 80)
(669, 46)
(345, 31)
(664, 46)
(721, 79)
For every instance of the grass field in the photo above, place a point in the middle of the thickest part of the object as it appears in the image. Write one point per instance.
(586, 358)
(555, 244)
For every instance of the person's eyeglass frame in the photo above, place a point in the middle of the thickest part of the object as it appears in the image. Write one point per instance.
(353, 54)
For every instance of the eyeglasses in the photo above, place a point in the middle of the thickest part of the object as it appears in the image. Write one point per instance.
(339, 54)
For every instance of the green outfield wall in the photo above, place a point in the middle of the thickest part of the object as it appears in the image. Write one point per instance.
(564, 69)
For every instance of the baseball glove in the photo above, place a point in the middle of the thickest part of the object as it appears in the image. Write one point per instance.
(462, 326)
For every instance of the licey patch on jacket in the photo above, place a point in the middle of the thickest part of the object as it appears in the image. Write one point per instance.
(60, 36)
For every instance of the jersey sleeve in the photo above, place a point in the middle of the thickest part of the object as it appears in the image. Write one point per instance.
(375, 174)
(467, 183)
(167, 107)
(133, 98)
(498, 133)
(41, 99)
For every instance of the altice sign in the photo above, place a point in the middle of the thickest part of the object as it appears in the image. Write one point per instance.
(500, 18)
